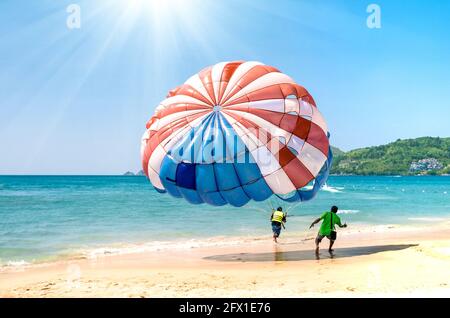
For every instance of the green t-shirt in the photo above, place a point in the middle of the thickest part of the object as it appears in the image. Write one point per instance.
(325, 228)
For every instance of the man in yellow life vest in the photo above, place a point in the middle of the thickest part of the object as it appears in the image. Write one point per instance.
(327, 228)
(278, 218)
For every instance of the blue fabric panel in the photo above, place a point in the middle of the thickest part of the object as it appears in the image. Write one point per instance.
(247, 172)
(213, 198)
(168, 169)
(235, 197)
(172, 188)
(190, 195)
(226, 177)
(323, 177)
(258, 190)
(308, 194)
(253, 183)
(295, 197)
(167, 175)
(205, 178)
(185, 177)
(229, 184)
(206, 185)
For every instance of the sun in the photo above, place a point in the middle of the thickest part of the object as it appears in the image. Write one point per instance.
(159, 8)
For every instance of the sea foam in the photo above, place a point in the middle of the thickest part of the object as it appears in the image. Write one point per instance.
(155, 246)
(332, 189)
(348, 211)
(427, 219)
(14, 265)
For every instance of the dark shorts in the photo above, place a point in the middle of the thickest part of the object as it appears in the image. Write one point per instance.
(319, 238)
(276, 228)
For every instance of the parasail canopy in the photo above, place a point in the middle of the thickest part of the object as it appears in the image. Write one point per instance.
(235, 132)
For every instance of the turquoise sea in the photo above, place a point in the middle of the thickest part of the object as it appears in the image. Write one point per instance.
(44, 218)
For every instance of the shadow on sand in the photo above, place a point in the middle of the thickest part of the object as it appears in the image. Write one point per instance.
(302, 255)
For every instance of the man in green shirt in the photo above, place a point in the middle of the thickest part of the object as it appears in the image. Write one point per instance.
(329, 220)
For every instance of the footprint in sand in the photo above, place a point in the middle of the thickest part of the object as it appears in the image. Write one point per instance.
(350, 289)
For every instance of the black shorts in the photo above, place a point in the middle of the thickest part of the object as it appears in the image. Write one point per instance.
(319, 238)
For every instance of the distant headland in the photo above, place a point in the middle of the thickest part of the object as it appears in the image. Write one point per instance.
(132, 174)
(419, 156)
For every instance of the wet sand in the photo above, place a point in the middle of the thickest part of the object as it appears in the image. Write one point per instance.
(306, 255)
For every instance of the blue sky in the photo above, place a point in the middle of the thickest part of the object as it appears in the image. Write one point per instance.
(75, 101)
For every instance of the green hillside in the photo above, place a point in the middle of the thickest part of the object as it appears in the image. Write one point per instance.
(336, 151)
(425, 155)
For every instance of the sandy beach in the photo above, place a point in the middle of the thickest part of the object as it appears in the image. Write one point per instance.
(386, 260)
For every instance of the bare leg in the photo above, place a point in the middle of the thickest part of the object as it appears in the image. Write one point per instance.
(331, 245)
(317, 246)
(275, 238)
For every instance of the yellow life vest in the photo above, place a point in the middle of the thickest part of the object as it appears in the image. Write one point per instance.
(277, 216)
